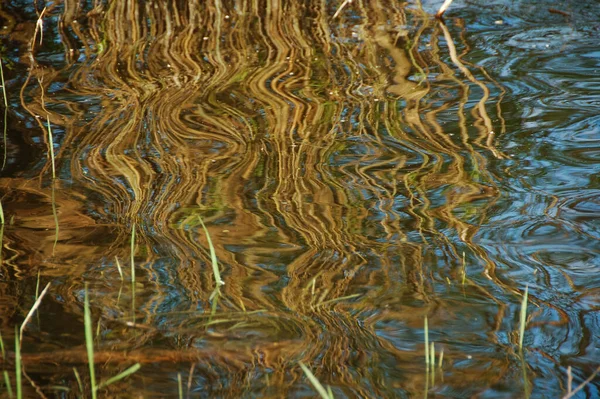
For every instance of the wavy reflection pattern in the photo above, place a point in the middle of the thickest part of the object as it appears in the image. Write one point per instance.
(341, 167)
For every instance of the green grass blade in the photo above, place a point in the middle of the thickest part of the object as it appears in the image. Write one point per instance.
(213, 256)
(120, 376)
(2, 347)
(5, 116)
(313, 380)
(426, 342)
(179, 386)
(133, 254)
(5, 139)
(37, 286)
(7, 383)
(78, 378)
(18, 365)
(55, 215)
(89, 341)
(51, 147)
(464, 269)
(119, 268)
(330, 392)
(3, 85)
(523, 317)
(1, 213)
(1, 242)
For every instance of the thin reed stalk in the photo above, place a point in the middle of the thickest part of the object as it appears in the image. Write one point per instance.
(443, 8)
(325, 394)
(19, 382)
(3, 85)
(133, 254)
(89, 341)
(119, 268)
(426, 342)
(179, 386)
(78, 378)
(32, 311)
(123, 374)
(523, 318)
(51, 147)
(5, 114)
(8, 384)
(213, 257)
(582, 385)
(2, 347)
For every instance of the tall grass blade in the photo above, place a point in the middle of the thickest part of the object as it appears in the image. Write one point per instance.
(55, 214)
(89, 341)
(426, 343)
(464, 269)
(2, 347)
(5, 115)
(1, 243)
(7, 383)
(132, 250)
(432, 354)
(78, 378)
(179, 386)
(51, 147)
(5, 138)
(119, 268)
(1, 213)
(120, 376)
(191, 377)
(3, 85)
(37, 285)
(213, 257)
(133, 254)
(315, 382)
(18, 386)
(523, 317)
(32, 311)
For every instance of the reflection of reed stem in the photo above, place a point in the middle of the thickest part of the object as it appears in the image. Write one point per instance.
(51, 147)
(426, 343)
(55, 215)
(5, 113)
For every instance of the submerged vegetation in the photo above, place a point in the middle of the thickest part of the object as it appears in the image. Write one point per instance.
(294, 183)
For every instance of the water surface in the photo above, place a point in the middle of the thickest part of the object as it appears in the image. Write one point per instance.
(356, 176)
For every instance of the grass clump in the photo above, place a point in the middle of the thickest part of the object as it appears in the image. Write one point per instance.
(213, 257)
(89, 344)
(324, 393)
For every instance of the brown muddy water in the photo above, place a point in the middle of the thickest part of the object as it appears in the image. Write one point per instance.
(357, 175)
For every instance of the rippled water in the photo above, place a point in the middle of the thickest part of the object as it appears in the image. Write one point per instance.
(356, 175)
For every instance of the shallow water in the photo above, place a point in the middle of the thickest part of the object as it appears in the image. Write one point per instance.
(356, 176)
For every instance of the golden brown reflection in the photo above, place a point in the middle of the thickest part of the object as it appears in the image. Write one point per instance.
(323, 154)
